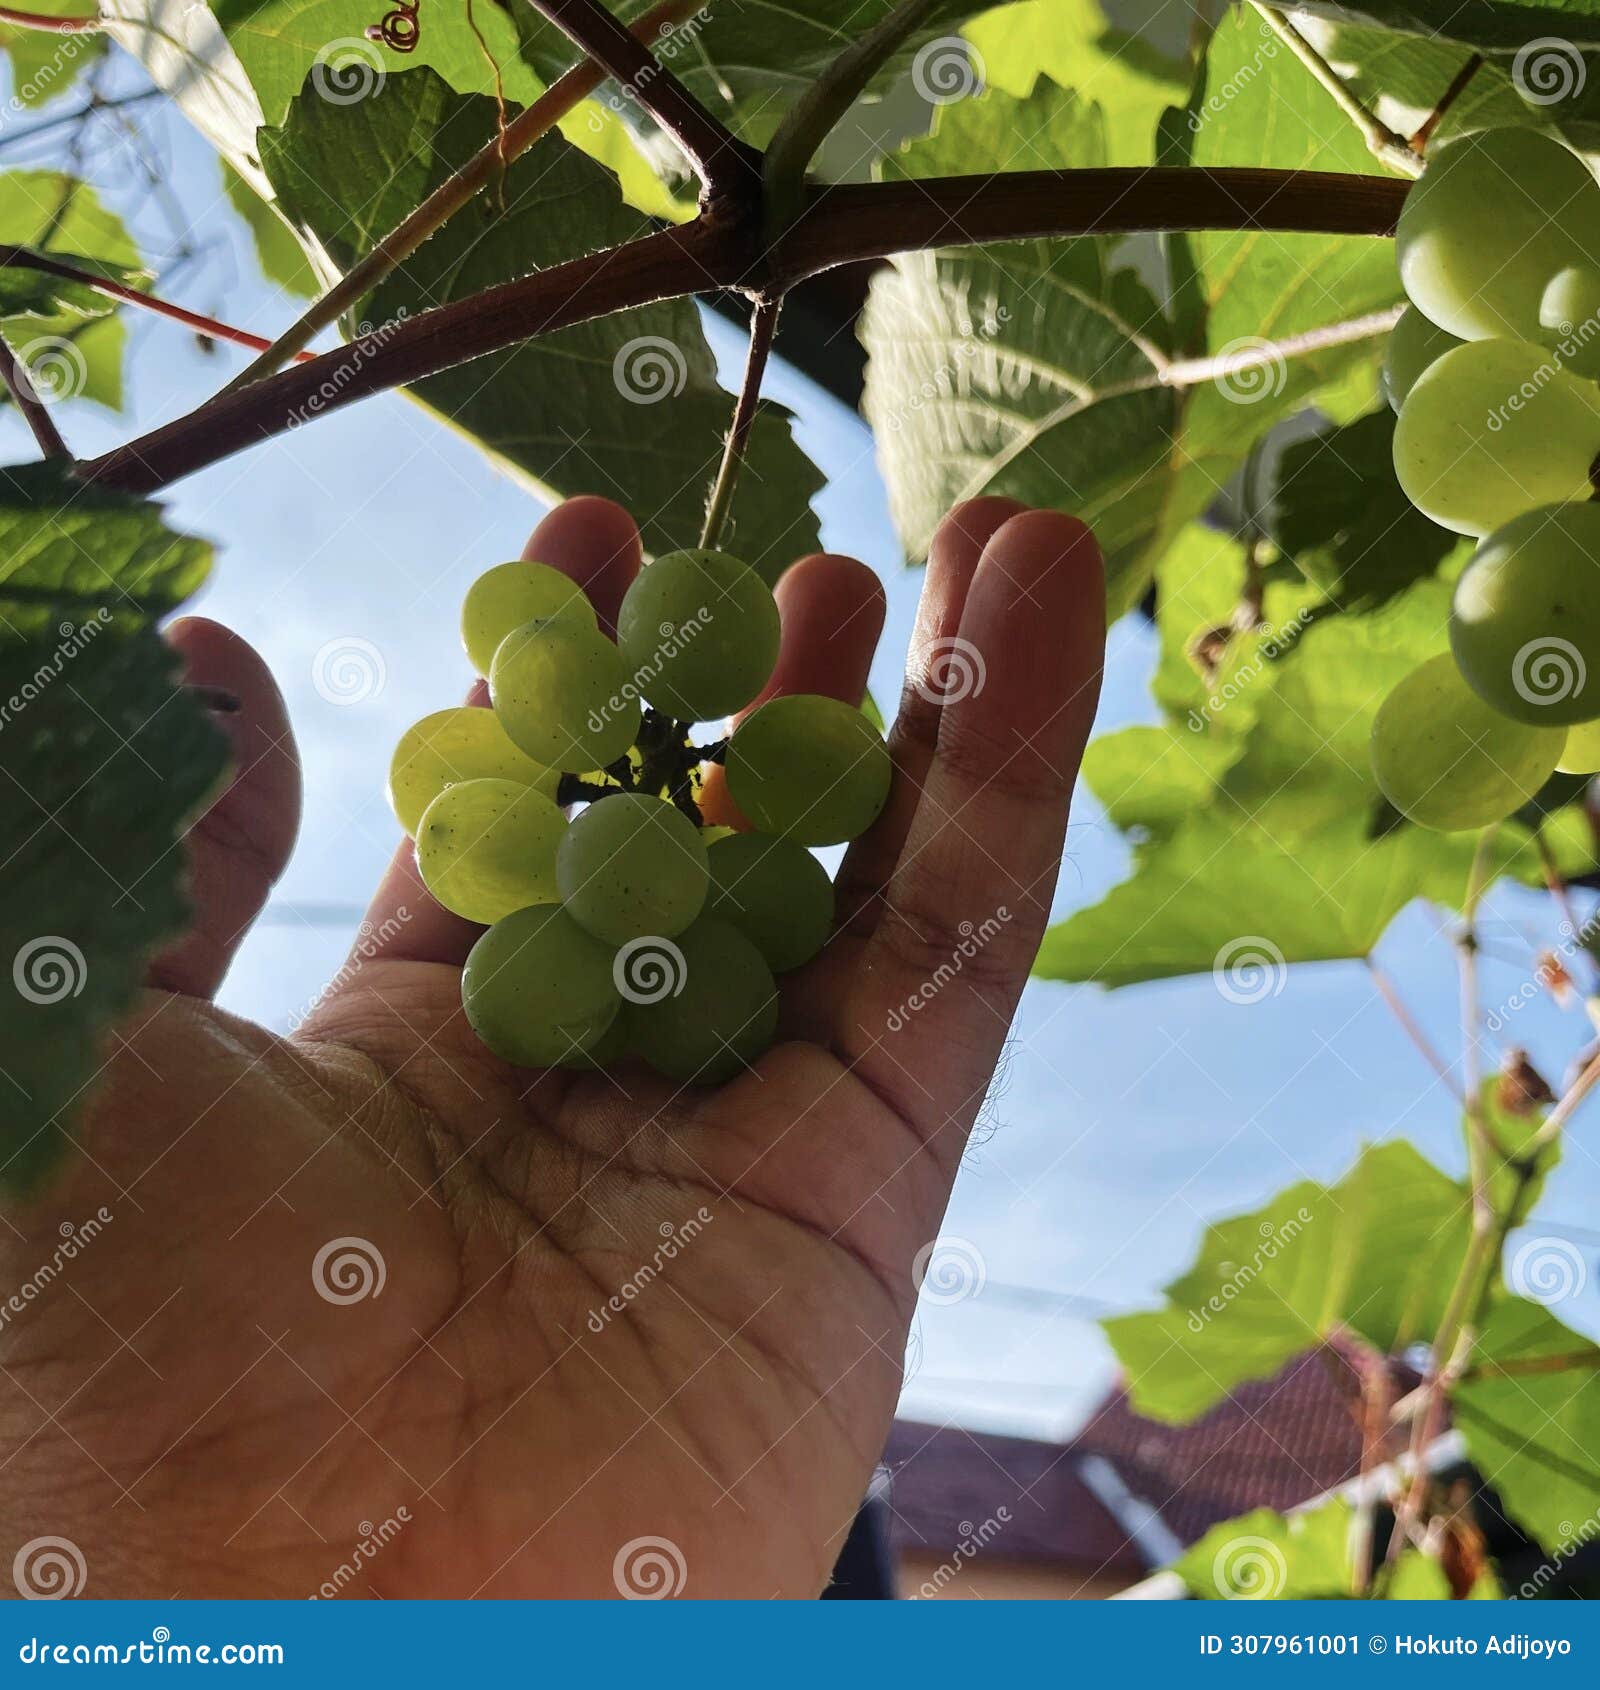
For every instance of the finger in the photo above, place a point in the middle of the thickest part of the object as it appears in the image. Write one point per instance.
(966, 906)
(832, 610)
(953, 558)
(240, 846)
(596, 543)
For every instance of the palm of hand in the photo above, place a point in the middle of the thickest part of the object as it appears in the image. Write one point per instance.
(610, 1310)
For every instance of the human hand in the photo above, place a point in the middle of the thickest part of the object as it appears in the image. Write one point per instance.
(611, 1309)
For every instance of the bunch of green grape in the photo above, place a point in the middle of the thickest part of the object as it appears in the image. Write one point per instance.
(630, 928)
(1494, 371)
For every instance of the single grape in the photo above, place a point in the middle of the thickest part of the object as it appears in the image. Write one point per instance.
(537, 989)
(1569, 319)
(562, 690)
(1492, 219)
(632, 864)
(700, 633)
(1444, 759)
(775, 892)
(705, 1006)
(1414, 344)
(605, 1052)
(488, 847)
(1525, 621)
(450, 745)
(1493, 429)
(510, 594)
(810, 768)
(1581, 753)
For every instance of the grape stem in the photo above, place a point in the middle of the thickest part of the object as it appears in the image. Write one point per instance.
(763, 325)
(34, 411)
(1458, 86)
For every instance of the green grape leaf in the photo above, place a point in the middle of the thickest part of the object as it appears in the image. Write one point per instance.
(75, 350)
(1529, 1404)
(105, 760)
(1493, 24)
(33, 293)
(1338, 512)
(575, 411)
(1031, 369)
(1310, 1554)
(1374, 1253)
(282, 259)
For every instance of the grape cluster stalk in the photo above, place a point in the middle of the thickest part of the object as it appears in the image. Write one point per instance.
(1493, 370)
(633, 930)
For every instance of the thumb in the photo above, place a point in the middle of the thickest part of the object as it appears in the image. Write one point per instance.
(238, 848)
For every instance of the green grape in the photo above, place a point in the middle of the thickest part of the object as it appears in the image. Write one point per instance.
(810, 768)
(1525, 621)
(537, 989)
(700, 1007)
(1569, 319)
(450, 745)
(1493, 218)
(1446, 760)
(775, 892)
(488, 847)
(1414, 344)
(605, 1052)
(700, 633)
(632, 864)
(1581, 754)
(562, 690)
(510, 594)
(1493, 429)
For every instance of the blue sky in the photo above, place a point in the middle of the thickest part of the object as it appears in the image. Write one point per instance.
(1120, 1123)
